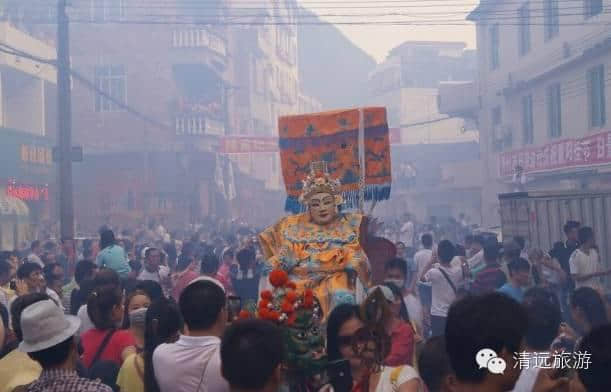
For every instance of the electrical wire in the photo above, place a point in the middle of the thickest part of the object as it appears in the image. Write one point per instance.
(5, 48)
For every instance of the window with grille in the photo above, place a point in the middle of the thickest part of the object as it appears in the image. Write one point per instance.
(524, 29)
(554, 110)
(593, 7)
(527, 119)
(494, 46)
(596, 96)
(111, 80)
(551, 19)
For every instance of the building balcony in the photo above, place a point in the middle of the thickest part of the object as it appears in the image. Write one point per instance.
(201, 45)
(198, 125)
(458, 99)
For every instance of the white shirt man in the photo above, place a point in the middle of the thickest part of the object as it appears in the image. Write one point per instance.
(157, 276)
(407, 234)
(443, 293)
(194, 360)
(193, 363)
(583, 263)
(421, 259)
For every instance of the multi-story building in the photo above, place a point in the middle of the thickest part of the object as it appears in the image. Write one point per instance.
(27, 134)
(543, 97)
(432, 145)
(267, 82)
(174, 75)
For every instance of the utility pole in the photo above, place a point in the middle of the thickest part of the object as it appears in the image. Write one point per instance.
(64, 126)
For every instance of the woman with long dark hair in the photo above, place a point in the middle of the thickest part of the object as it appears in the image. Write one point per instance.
(162, 325)
(402, 333)
(344, 328)
(105, 309)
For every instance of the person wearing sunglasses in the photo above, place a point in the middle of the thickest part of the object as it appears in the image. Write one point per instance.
(346, 341)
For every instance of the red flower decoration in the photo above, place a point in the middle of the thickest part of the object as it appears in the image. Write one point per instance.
(266, 295)
(273, 315)
(291, 297)
(308, 302)
(263, 304)
(278, 278)
(264, 313)
(292, 318)
(290, 285)
(244, 314)
(287, 307)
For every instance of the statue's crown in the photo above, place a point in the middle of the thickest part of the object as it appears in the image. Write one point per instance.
(319, 181)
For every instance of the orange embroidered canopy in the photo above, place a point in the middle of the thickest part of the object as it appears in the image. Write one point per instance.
(355, 145)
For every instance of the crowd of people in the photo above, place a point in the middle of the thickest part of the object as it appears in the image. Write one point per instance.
(156, 311)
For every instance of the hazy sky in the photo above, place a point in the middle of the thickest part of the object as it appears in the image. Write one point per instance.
(423, 20)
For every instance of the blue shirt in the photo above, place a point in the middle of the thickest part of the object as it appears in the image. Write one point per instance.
(113, 257)
(514, 292)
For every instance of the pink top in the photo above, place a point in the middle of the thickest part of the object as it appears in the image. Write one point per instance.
(402, 345)
(182, 281)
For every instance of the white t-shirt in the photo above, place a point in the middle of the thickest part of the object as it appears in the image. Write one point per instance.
(584, 264)
(406, 373)
(163, 273)
(407, 234)
(442, 293)
(421, 259)
(193, 363)
(529, 373)
(414, 310)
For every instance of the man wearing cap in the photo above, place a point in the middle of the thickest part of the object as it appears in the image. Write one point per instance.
(49, 339)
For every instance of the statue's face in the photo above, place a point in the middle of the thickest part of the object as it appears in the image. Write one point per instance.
(323, 208)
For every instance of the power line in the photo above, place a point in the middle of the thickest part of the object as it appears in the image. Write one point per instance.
(88, 83)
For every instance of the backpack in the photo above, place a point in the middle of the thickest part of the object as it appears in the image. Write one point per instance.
(102, 370)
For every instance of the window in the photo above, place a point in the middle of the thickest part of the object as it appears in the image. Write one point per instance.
(524, 29)
(596, 96)
(498, 140)
(551, 20)
(527, 119)
(102, 10)
(554, 110)
(111, 80)
(494, 46)
(592, 7)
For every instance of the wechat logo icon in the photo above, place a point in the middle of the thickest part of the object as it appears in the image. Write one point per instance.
(487, 359)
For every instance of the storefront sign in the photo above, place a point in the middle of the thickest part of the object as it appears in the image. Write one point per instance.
(36, 154)
(253, 144)
(28, 192)
(563, 154)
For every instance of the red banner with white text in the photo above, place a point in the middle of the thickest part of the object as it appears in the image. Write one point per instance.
(563, 154)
